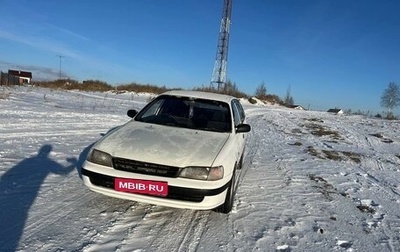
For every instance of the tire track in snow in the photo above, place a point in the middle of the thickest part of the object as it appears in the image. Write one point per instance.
(146, 227)
(54, 213)
(197, 229)
(195, 224)
(255, 194)
(58, 218)
(183, 228)
(373, 181)
(120, 230)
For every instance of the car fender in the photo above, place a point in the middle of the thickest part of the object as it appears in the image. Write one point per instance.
(228, 156)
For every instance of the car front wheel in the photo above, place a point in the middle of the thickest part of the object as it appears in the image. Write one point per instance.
(228, 204)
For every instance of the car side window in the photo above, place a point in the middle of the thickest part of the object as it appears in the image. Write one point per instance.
(238, 112)
(241, 110)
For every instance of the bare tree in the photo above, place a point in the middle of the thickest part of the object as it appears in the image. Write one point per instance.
(390, 98)
(261, 91)
(288, 98)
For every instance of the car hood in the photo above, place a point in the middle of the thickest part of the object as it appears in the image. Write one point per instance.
(165, 145)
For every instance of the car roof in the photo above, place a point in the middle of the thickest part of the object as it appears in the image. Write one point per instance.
(201, 95)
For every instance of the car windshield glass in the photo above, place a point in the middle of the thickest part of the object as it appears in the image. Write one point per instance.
(186, 112)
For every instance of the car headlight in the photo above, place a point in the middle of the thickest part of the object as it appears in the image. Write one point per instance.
(203, 173)
(100, 157)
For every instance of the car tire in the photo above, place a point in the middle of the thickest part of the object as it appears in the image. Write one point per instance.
(240, 165)
(226, 207)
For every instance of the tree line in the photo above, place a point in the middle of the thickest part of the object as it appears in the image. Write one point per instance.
(231, 88)
(390, 98)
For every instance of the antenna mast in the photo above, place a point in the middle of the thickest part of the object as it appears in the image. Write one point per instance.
(60, 66)
(221, 59)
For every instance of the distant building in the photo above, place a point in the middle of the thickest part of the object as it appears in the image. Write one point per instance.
(336, 111)
(23, 77)
(298, 107)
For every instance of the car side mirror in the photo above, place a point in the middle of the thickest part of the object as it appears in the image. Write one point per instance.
(243, 128)
(131, 113)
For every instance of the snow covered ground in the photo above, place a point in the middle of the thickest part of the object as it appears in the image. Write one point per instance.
(311, 181)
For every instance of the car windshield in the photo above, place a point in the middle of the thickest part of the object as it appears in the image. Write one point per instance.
(187, 112)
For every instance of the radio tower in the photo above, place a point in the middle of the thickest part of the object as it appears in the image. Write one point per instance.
(221, 59)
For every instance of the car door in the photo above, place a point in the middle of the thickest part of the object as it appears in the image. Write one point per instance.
(238, 118)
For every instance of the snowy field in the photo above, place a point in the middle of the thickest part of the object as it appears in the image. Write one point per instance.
(311, 181)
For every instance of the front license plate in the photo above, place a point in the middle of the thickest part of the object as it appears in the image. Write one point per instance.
(141, 186)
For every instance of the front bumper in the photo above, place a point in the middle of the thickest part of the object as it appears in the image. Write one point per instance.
(178, 197)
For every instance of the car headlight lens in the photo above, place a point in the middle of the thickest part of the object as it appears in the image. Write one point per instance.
(203, 173)
(100, 157)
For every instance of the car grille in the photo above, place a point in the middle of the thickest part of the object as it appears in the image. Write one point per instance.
(176, 193)
(145, 168)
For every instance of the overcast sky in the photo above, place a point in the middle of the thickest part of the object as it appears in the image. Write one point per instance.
(332, 53)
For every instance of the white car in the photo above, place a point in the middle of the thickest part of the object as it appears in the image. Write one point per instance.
(181, 150)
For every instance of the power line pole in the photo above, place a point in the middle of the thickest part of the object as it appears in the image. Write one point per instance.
(60, 65)
(221, 59)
